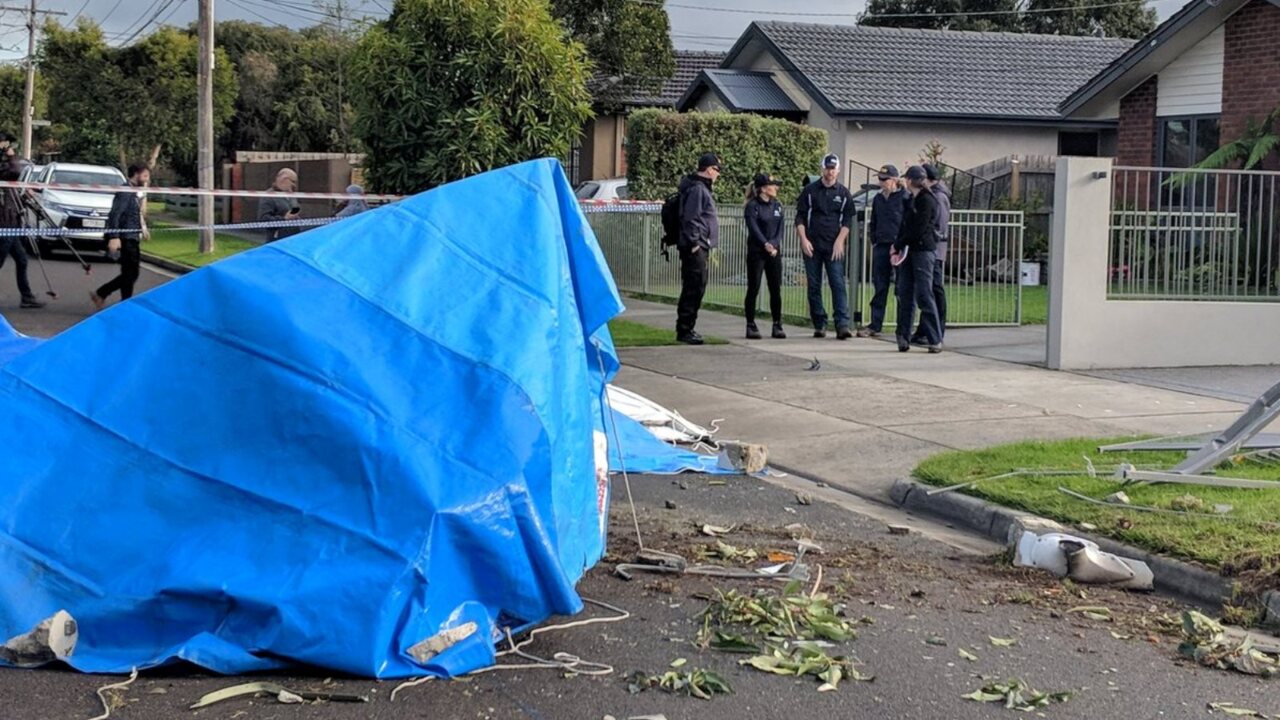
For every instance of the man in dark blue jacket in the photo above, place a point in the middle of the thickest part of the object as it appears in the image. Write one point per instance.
(942, 194)
(126, 229)
(824, 215)
(918, 241)
(699, 234)
(887, 210)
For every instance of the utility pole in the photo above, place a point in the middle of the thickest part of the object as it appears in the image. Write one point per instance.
(204, 156)
(28, 105)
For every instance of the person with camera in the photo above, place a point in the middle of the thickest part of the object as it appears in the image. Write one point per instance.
(13, 217)
(125, 232)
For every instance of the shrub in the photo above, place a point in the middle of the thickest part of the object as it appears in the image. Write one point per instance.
(663, 147)
(446, 89)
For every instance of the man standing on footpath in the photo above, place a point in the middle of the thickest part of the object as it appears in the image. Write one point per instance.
(942, 194)
(126, 229)
(699, 234)
(887, 210)
(914, 255)
(824, 215)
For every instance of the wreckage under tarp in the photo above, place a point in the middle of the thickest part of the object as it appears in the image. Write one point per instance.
(366, 448)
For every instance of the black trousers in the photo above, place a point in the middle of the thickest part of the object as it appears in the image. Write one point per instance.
(915, 287)
(939, 301)
(130, 268)
(15, 247)
(695, 273)
(881, 278)
(760, 263)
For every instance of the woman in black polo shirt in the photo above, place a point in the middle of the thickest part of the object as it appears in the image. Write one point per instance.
(763, 214)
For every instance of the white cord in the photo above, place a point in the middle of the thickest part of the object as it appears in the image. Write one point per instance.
(106, 706)
(559, 661)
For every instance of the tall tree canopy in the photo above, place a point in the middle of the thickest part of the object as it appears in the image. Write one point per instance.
(628, 42)
(1049, 17)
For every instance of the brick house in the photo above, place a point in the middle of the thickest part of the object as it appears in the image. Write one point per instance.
(1190, 85)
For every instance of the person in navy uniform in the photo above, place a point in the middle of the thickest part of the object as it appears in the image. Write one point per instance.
(824, 215)
(763, 214)
(917, 242)
(887, 211)
(942, 194)
(699, 235)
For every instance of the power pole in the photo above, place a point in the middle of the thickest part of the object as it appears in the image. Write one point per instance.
(204, 156)
(28, 106)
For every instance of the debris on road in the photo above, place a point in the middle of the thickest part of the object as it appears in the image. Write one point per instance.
(698, 683)
(114, 702)
(279, 692)
(968, 655)
(802, 659)
(716, 530)
(1081, 560)
(728, 553)
(1207, 643)
(789, 614)
(1231, 709)
(899, 530)
(1002, 642)
(1016, 695)
(54, 638)
(746, 458)
(803, 499)
(815, 365)
(1098, 613)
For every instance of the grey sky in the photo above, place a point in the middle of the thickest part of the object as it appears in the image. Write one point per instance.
(693, 27)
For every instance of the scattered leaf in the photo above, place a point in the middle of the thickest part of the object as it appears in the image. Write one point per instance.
(1002, 642)
(1120, 636)
(1231, 709)
(968, 655)
(1097, 613)
(699, 683)
(678, 662)
(726, 642)
(716, 530)
(778, 556)
(1016, 695)
(935, 641)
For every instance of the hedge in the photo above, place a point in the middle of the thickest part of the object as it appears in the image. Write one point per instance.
(663, 147)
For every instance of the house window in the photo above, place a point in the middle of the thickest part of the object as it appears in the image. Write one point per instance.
(1186, 141)
(1078, 144)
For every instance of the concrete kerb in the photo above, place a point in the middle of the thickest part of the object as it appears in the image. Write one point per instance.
(165, 264)
(1172, 577)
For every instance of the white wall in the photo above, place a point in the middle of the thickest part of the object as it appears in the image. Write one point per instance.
(1087, 331)
(967, 146)
(1192, 84)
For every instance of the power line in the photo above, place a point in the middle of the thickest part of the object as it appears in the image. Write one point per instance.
(789, 13)
(136, 33)
(73, 19)
(140, 18)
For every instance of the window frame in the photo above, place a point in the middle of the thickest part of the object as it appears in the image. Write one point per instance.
(1193, 132)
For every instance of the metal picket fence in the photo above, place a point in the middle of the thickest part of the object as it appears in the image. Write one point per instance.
(982, 278)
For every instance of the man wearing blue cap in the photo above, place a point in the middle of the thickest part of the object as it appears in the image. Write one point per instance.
(887, 210)
(824, 215)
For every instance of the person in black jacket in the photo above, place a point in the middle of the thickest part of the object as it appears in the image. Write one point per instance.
(125, 232)
(918, 240)
(887, 211)
(824, 216)
(699, 234)
(763, 214)
(13, 216)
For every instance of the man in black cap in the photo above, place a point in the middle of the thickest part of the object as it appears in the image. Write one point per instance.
(13, 216)
(887, 210)
(824, 215)
(699, 234)
(942, 194)
(913, 253)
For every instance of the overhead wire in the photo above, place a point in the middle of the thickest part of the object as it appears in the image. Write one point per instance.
(790, 13)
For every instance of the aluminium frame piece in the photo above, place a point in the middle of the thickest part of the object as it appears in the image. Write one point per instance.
(1257, 416)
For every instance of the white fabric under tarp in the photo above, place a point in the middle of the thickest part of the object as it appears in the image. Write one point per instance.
(667, 425)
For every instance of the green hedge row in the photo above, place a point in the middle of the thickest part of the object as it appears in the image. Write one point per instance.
(663, 147)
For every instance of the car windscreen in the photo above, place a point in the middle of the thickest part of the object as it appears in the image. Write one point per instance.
(85, 177)
(588, 190)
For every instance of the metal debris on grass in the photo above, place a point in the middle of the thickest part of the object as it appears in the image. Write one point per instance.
(1206, 642)
(699, 683)
(1016, 695)
(800, 659)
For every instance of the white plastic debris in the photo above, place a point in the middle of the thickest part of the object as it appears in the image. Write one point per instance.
(667, 425)
(1082, 560)
(54, 638)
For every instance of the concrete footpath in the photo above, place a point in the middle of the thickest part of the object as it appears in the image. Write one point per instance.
(870, 413)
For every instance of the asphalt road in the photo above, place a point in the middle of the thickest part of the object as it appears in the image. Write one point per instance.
(72, 286)
(908, 589)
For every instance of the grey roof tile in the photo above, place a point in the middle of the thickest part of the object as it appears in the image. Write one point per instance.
(875, 70)
(689, 64)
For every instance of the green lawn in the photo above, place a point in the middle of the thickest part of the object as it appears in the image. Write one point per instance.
(633, 334)
(966, 304)
(1250, 529)
(183, 246)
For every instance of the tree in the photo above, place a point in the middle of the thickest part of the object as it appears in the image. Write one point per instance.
(988, 15)
(1085, 17)
(1259, 141)
(13, 88)
(444, 89)
(628, 43)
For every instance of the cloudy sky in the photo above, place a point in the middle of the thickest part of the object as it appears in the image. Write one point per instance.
(696, 24)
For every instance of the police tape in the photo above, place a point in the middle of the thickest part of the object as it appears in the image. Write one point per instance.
(155, 190)
(79, 233)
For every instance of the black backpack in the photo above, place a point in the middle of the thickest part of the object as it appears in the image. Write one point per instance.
(670, 223)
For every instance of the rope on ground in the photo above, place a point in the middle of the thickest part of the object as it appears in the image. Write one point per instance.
(560, 661)
(102, 694)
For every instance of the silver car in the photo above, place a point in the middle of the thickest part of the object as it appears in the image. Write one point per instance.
(83, 213)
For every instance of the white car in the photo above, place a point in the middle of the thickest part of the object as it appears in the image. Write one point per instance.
(83, 212)
(607, 189)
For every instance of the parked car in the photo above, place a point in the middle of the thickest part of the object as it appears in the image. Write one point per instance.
(608, 189)
(84, 213)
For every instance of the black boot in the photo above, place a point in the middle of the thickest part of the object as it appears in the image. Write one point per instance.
(778, 334)
(753, 333)
(30, 303)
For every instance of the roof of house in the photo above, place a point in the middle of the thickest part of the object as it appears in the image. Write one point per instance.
(869, 71)
(742, 91)
(1175, 35)
(689, 64)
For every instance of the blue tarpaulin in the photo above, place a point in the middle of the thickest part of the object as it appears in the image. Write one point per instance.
(325, 450)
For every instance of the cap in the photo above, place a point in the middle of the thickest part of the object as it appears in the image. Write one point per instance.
(888, 171)
(765, 180)
(915, 172)
(930, 171)
(831, 161)
(6, 137)
(708, 160)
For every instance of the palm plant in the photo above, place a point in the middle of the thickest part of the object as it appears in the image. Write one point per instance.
(1254, 145)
